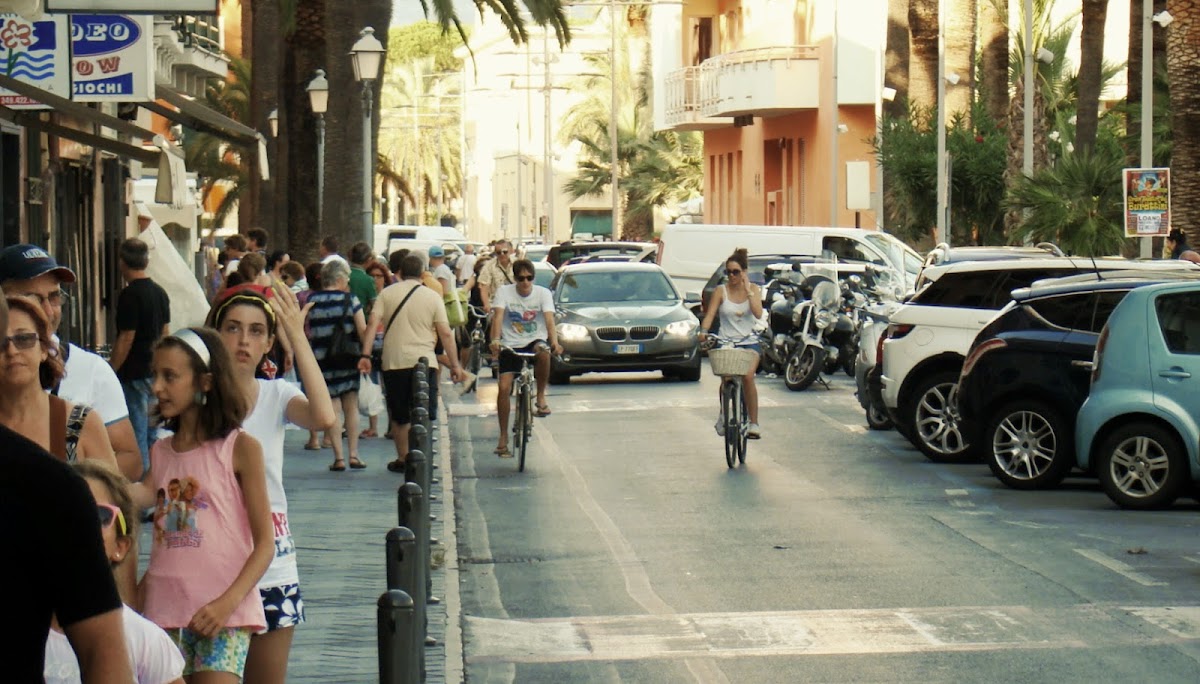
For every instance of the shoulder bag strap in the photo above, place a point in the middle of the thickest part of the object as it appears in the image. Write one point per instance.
(58, 428)
(397, 311)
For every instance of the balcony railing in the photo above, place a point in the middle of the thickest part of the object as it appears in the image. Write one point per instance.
(683, 101)
(761, 81)
(198, 32)
(188, 51)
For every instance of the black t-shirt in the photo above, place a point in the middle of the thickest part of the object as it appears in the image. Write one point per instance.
(144, 308)
(49, 513)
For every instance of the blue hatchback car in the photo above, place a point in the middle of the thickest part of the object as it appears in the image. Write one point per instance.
(1139, 425)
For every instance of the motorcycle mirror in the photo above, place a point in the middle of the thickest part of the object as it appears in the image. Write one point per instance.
(855, 280)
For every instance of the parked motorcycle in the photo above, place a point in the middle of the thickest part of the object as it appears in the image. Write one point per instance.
(779, 337)
(883, 296)
(816, 320)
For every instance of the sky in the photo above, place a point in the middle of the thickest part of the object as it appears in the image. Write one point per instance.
(407, 11)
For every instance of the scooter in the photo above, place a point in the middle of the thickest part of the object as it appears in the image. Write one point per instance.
(883, 297)
(779, 338)
(816, 319)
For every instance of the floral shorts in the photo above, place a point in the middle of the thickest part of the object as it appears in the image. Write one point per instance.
(283, 606)
(225, 652)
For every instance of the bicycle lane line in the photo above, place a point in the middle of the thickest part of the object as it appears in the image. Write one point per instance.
(637, 582)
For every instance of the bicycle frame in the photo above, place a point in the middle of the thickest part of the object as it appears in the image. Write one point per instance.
(524, 386)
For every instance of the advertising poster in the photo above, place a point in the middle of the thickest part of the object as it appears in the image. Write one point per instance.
(30, 52)
(112, 58)
(1147, 202)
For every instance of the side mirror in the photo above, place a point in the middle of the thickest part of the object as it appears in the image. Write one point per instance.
(691, 298)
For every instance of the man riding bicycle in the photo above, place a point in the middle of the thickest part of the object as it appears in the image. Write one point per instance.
(522, 320)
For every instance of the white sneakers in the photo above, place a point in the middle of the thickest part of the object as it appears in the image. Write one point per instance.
(753, 432)
(720, 428)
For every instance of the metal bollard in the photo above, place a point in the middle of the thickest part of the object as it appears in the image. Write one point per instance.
(401, 553)
(413, 514)
(399, 654)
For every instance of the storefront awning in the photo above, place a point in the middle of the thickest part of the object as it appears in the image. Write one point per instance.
(197, 116)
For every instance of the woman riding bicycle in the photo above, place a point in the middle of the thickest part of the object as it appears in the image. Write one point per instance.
(522, 320)
(739, 303)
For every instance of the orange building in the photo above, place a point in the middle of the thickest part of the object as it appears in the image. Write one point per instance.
(758, 78)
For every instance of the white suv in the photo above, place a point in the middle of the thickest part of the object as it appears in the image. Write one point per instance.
(929, 336)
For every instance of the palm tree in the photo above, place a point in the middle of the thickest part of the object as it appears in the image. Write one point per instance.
(223, 168)
(897, 60)
(296, 199)
(960, 53)
(1091, 60)
(1183, 67)
(993, 57)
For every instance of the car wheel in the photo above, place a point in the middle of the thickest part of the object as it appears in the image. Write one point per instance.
(937, 429)
(803, 367)
(1142, 466)
(877, 416)
(689, 374)
(1030, 444)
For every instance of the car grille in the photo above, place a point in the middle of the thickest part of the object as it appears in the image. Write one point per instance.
(643, 332)
(611, 334)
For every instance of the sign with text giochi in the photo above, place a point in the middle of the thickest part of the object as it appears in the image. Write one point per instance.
(34, 52)
(134, 6)
(112, 58)
(1147, 195)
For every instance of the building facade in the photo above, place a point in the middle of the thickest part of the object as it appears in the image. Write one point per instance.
(787, 94)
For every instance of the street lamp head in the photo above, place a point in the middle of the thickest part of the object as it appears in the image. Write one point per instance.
(1163, 18)
(318, 93)
(889, 93)
(842, 128)
(273, 120)
(367, 56)
(1045, 56)
(952, 78)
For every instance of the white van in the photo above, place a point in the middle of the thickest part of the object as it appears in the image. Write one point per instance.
(690, 252)
(386, 233)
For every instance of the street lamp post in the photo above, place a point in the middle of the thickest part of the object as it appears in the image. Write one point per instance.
(367, 57)
(548, 157)
(612, 122)
(318, 97)
(1147, 134)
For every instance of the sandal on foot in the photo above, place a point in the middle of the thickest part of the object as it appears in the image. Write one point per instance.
(396, 466)
(312, 447)
(367, 434)
(338, 466)
(357, 464)
(502, 452)
(542, 411)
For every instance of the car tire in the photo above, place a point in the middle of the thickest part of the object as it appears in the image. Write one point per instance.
(1143, 466)
(1028, 445)
(689, 374)
(937, 430)
(877, 416)
(803, 367)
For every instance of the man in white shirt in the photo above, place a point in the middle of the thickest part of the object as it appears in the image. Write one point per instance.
(27, 270)
(522, 320)
(466, 264)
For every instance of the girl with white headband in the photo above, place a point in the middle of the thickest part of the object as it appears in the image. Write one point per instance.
(214, 539)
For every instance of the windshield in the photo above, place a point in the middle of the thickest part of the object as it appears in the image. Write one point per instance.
(912, 260)
(616, 286)
(543, 276)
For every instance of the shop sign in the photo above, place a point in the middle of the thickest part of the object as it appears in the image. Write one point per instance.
(134, 6)
(1147, 202)
(112, 58)
(34, 52)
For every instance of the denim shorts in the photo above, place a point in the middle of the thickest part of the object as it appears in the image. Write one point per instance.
(754, 347)
(225, 652)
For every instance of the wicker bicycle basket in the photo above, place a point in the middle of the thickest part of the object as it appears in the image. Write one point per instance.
(731, 361)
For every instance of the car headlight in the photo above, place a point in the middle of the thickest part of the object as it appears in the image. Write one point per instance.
(824, 319)
(681, 328)
(572, 332)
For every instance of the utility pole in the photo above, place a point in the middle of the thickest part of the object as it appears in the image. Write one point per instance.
(547, 152)
(612, 122)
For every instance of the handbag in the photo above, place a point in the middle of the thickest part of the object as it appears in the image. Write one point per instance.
(344, 349)
(456, 307)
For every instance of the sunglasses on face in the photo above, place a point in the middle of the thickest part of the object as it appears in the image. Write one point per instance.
(733, 271)
(20, 341)
(110, 514)
(524, 278)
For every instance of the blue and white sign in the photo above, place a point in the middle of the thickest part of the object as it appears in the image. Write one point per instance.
(34, 52)
(135, 6)
(112, 58)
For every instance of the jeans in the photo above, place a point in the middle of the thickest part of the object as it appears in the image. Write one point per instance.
(137, 400)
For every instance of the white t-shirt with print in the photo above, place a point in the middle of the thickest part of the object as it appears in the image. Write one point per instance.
(266, 423)
(155, 658)
(90, 381)
(523, 322)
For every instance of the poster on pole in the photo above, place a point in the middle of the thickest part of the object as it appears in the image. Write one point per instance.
(34, 52)
(112, 58)
(1147, 195)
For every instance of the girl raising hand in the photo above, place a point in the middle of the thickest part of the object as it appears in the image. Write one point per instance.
(204, 569)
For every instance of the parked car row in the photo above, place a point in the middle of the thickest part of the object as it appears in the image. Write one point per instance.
(1011, 360)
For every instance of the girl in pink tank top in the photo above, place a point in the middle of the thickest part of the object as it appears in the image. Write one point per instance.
(214, 538)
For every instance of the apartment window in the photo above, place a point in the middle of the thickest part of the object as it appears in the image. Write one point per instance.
(702, 39)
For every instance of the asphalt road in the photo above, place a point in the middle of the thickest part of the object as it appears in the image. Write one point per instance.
(628, 552)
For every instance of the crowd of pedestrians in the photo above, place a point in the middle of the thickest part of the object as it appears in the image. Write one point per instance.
(183, 429)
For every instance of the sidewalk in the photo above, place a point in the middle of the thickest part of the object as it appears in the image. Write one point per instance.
(339, 521)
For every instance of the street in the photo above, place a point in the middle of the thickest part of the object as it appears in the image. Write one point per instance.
(627, 551)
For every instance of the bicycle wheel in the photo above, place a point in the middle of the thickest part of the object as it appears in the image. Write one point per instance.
(729, 412)
(473, 359)
(522, 424)
(743, 424)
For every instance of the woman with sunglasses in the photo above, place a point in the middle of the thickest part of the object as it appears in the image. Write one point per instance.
(29, 366)
(153, 655)
(739, 304)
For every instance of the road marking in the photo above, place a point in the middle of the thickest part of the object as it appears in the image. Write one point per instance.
(1192, 559)
(1030, 525)
(857, 429)
(637, 580)
(1123, 569)
(813, 632)
(957, 492)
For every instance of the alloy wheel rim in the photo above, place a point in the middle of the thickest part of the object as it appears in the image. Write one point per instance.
(798, 366)
(1139, 467)
(1024, 445)
(937, 421)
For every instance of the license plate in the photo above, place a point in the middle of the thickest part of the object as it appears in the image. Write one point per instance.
(627, 349)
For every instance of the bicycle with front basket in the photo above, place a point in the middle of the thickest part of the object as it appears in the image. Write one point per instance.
(731, 363)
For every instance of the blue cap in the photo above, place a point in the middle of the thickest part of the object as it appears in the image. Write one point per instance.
(436, 251)
(26, 262)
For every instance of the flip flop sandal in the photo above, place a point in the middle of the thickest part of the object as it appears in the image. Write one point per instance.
(396, 466)
(337, 466)
(542, 411)
(503, 452)
(312, 447)
(357, 464)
